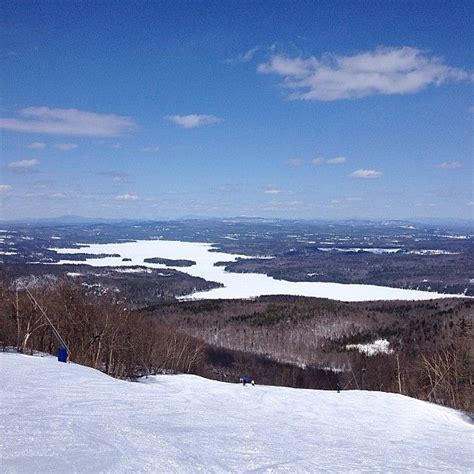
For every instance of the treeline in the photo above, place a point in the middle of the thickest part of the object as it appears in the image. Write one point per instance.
(311, 331)
(296, 342)
(431, 340)
(227, 365)
(99, 331)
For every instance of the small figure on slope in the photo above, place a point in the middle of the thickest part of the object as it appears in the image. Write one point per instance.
(245, 379)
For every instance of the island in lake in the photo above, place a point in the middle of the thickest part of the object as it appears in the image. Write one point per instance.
(170, 262)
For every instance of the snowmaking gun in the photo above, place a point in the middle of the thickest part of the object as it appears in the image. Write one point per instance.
(63, 351)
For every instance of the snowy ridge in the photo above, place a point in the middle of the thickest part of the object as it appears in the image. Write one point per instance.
(69, 418)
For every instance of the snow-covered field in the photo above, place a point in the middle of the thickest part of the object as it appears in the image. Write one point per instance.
(377, 251)
(236, 285)
(380, 346)
(68, 418)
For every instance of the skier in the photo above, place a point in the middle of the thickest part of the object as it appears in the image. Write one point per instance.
(245, 379)
(338, 387)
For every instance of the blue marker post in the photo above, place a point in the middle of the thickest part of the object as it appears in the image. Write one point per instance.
(62, 354)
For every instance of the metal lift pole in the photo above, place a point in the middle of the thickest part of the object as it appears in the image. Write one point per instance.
(55, 331)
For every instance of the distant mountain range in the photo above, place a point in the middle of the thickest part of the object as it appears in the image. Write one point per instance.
(73, 219)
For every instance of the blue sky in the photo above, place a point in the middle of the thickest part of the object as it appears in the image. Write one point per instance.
(279, 109)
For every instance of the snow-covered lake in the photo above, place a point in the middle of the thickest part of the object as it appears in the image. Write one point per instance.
(66, 418)
(236, 285)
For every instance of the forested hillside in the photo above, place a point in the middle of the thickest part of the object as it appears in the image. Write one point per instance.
(299, 342)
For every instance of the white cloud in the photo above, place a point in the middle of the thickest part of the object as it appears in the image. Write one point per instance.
(127, 197)
(193, 120)
(66, 146)
(338, 160)
(451, 165)
(23, 166)
(68, 122)
(36, 146)
(401, 70)
(270, 189)
(5, 188)
(244, 57)
(151, 149)
(366, 174)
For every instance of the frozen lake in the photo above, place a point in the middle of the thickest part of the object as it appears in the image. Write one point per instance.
(236, 285)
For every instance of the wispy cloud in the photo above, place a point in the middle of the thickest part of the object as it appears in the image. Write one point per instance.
(338, 160)
(36, 146)
(23, 166)
(271, 189)
(401, 70)
(65, 146)
(127, 197)
(450, 165)
(151, 149)
(117, 176)
(42, 184)
(57, 196)
(68, 122)
(5, 188)
(244, 57)
(193, 120)
(231, 188)
(295, 162)
(366, 174)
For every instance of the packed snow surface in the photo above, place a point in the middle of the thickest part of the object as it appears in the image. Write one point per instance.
(68, 418)
(236, 285)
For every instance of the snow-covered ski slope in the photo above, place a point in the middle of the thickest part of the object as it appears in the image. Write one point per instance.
(68, 418)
